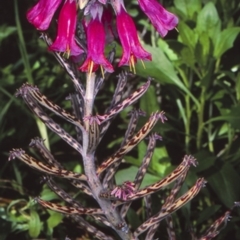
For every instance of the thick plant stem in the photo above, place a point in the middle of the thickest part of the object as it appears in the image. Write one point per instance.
(111, 213)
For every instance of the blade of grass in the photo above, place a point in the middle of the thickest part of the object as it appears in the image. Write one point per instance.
(22, 47)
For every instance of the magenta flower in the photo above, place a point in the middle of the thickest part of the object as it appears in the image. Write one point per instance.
(65, 41)
(41, 14)
(96, 43)
(161, 19)
(103, 1)
(132, 49)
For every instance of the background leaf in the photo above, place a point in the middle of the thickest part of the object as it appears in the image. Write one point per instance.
(208, 21)
(188, 7)
(34, 224)
(223, 183)
(162, 70)
(225, 41)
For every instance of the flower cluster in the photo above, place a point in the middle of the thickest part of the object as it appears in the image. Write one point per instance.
(95, 13)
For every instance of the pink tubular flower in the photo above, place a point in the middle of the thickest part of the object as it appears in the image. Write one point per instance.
(41, 14)
(132, 49)
(103, 1)
(95, 43)
(65, 41)
(161, 19)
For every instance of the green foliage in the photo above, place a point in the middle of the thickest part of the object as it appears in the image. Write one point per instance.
(225, 40)
(199, 77)
(223, 181)
(24, 58)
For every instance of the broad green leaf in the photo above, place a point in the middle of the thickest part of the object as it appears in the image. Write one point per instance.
(148, 101)
(208, 21)
(187, 57)
(224, 41)
(47, 194)
(202, 52)
(54, 219)
(172, 56)
(34, 224)
(129, 174)
(162, 70)
(187, 35)
(160, 162)
(224, 182)
(188, 7)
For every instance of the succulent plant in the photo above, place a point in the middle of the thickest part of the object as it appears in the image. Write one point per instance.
(97, 180)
